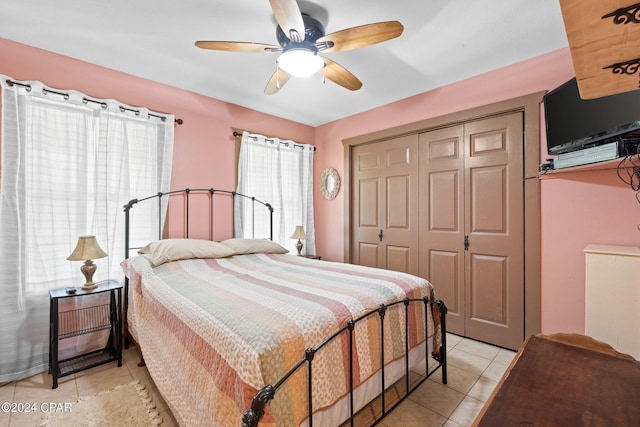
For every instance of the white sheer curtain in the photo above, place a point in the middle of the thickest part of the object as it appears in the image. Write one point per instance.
(69, 164)
(278, 172)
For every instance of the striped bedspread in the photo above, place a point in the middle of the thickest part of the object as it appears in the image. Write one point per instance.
(215, 331)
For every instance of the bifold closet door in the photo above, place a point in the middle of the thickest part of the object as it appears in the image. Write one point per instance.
(385, 206)
(471, 226)
(494, 224)
(442, 219)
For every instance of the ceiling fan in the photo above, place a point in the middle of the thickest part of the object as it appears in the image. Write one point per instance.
(301, 38)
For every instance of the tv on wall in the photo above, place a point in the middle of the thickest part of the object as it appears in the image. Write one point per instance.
(573, 123)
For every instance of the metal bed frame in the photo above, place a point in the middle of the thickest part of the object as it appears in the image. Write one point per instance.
(252, 417)
(255, 413)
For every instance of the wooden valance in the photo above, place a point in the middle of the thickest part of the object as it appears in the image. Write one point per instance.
(604, 38)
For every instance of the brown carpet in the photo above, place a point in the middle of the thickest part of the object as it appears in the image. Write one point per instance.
(124, 405)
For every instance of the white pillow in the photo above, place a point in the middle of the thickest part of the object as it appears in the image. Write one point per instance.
(176, 249)
(254, 246)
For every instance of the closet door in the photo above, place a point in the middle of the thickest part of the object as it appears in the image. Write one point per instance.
(471, 226)
(442, 219)
(385, 209)
(494, 228)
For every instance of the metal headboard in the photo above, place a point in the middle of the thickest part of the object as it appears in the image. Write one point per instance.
(187, 192)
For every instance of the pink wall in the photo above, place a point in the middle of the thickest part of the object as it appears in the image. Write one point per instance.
(204, 151)
(577, 208)
(580, 208)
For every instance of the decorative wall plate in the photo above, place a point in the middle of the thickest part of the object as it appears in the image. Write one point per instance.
(330, 183)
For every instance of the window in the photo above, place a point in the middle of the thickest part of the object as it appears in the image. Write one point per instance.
(279, 173)
(69, 164)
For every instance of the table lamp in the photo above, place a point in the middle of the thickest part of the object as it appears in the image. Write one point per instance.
(300, 235)
(87, 250)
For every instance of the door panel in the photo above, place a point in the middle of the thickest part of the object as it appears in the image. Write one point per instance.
(399, 157)
(367, 160)
(368, 254)
(444, 199)
(488, 289)
(494, 205)
(442, 218)
(398, 258)
(367, 213)
(385, 213)
(368, 203)
(487, 143)
(398, 203)
(445, 268)
(488, 208)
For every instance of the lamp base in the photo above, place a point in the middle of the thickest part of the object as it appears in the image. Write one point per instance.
(88, 268)
(299, 247)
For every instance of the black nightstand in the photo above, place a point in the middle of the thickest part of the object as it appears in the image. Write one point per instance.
(312, 256)
(85, 320)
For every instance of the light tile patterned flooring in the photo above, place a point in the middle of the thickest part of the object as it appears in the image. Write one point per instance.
(86, 383)
(474, 368)
(473, 371)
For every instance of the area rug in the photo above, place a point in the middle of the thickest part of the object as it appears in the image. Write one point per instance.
(124, 405)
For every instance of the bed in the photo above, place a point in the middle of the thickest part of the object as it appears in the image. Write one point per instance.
(240, 332)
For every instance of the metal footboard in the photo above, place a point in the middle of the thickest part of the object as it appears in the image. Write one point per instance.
(253, 416)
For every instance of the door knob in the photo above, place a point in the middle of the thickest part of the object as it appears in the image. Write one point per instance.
(380, 235)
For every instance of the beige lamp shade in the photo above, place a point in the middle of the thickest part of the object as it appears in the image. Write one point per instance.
(299, 233)
(86, 250)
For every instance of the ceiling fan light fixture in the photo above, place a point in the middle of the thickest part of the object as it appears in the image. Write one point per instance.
(300, 62)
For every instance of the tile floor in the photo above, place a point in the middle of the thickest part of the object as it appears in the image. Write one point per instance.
(473, 371)
(86, 383)
(474, 368)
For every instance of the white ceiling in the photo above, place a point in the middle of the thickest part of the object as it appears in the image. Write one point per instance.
(444, 41)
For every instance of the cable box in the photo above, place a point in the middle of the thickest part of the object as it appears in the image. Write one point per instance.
(596, 154)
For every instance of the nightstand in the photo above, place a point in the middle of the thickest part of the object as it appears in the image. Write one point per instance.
(79, 321)
(312, 256)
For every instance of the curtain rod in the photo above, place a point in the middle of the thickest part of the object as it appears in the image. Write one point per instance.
(86, 100)
(237, 134)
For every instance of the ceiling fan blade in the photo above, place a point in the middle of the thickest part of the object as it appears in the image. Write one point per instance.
(340, 75)
(278, 79)
(289, 18)
(364, 35)
(237, 46)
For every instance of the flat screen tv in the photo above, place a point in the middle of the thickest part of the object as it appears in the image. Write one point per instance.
(574, 123)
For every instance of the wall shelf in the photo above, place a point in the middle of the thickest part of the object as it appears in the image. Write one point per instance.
(600, 166)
